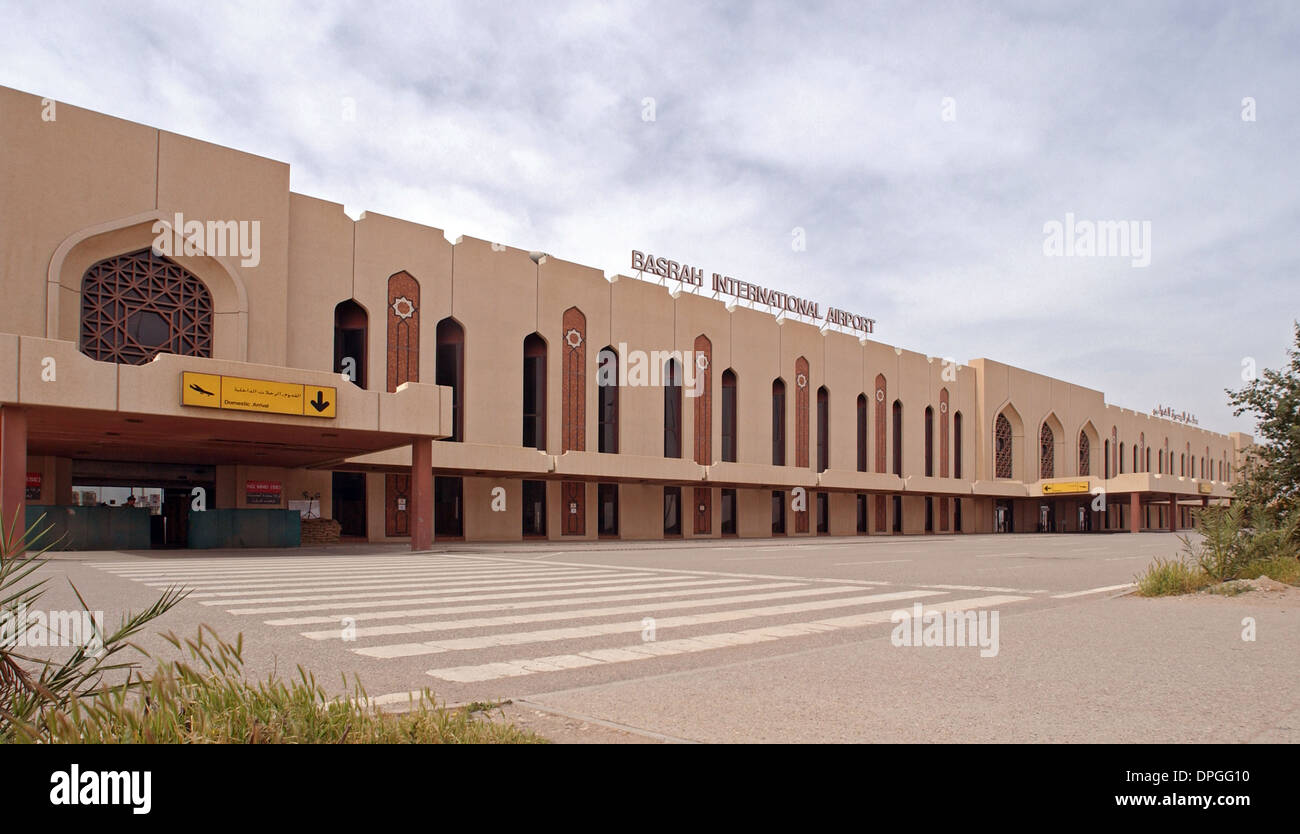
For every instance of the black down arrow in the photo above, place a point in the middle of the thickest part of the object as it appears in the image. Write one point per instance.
(320, 403)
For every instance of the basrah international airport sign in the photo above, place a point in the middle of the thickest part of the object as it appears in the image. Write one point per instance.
(726, 285)
(238, 393)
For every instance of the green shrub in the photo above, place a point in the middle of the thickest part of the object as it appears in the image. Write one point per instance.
(1231, 541)
(1279, 569)
(32, 689)
(1167, 577)
(206, 699)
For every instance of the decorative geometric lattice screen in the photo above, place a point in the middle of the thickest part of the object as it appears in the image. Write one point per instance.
(1002, 447)
(1085, 454)
(137, 305)
(1047, 453)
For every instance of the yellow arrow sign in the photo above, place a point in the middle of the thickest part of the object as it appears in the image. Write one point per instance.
(258, 395)
(1065, 487)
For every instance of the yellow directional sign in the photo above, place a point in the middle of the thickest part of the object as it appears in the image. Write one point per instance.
(1065, 487)
(259, 395)
(1204, 488)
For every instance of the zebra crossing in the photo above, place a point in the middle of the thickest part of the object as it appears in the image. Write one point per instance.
(475, 618)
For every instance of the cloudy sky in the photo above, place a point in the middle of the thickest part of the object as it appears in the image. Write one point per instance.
(920, 148)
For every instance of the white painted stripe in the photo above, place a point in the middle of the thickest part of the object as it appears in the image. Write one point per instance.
(578, 632)
(1126, 585)
(390, 597)
(975, 588)
(380, 583)
(255, 585)
(879, 562)
(412, 697)
(281, 563)
(255, 594)
(354, 607)
(753, 576)
(578, 614)
(252, 575)
(545, 603)
(643, 651)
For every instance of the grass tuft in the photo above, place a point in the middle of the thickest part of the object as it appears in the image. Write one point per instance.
(1169, 577)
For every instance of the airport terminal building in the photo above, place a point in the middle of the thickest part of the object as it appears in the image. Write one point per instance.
(174, 320)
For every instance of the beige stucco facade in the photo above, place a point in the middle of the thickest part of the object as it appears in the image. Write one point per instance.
(84, 189)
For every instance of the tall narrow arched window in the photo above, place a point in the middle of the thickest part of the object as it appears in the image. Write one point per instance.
(1085, 454)
(956, 446)
(607, 400)
(535, 392)
(898, 437)
(1002, 447)
(1105, 467)
(1121, 458)
(138, 305)
(823, 429)
(929, 441)
(672, 409)
(350, 341)
(862, 434)
(778, 422)
(1046, 452)
(729, 437)
(1182, 465)
(450, 371)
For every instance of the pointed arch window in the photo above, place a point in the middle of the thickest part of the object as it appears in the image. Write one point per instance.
(1085, 454)
(607, 400)
(1002, 447)
(956, 446)
(898, 437)
(823, 429)
(862, 433)
(138, 305)
(350, 341)
(1047, 452)
(729, 438)
(673, 409)
(778, 422)
(449, 370)
(929, 441)
(534, 411)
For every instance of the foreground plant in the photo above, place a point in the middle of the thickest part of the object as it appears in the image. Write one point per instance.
(1237, 542)
(202, 699)
(34, 689)
(207, 699)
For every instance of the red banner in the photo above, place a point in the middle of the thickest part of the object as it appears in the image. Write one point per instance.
(262, 492)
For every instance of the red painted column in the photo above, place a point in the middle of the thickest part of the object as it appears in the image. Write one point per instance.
(13, 470)
(1134, 512)
(421, 493)
(1173, 513)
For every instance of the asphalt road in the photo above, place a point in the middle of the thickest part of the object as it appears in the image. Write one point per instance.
(747, 640)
